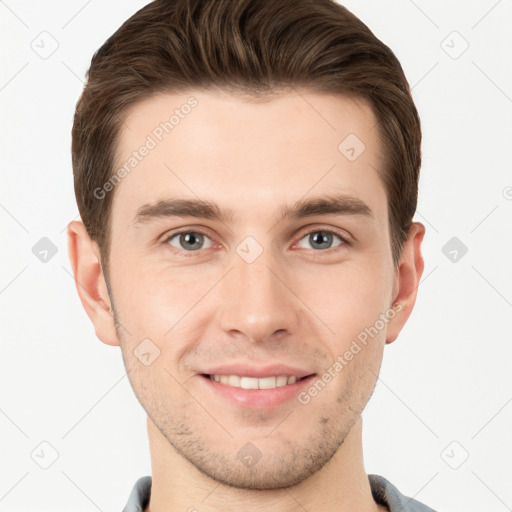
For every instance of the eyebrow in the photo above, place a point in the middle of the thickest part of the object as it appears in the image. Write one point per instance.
(334, 204)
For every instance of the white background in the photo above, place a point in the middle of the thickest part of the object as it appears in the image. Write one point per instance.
(445, 390)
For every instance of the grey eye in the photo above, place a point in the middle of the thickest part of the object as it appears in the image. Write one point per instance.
(320, 239)
(189, 240)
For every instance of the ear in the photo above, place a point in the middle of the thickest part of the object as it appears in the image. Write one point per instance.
(90, 282)
(407, 280)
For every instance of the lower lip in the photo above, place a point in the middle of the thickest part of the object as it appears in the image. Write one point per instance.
(258, 398)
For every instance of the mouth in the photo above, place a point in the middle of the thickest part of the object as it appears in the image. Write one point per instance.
(262, 393)
(245, 382)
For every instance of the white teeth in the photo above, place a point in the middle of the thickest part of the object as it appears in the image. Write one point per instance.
(267, 382)
(253, 382)
(282, 381)
(249, 383)
(234, 380)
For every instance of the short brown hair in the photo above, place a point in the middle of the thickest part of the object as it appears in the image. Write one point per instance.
(251, 47)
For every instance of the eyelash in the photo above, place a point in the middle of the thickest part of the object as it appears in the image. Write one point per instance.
(174, 250)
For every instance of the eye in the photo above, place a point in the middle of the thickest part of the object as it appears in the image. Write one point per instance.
(188, 241)
(192, 241)
(322, 239)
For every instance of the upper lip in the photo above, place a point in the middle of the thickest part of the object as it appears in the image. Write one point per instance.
(271, 370)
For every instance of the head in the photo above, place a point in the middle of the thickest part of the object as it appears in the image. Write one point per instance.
(247, 108)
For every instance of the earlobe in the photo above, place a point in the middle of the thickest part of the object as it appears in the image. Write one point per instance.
(408, 275)
(90, 282)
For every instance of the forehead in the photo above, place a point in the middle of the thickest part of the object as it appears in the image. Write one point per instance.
(252, 156)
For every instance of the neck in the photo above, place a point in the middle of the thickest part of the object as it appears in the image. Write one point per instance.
(341, 485)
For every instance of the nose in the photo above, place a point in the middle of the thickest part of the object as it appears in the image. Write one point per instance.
(257, 301)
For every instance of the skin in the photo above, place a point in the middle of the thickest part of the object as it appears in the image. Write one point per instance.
(296, 303)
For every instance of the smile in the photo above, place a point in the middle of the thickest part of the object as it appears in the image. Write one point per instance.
(243, 382)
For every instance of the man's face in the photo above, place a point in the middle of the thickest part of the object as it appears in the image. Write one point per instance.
(257, 288)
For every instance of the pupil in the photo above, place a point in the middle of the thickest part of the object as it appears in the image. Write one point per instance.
(321, 237)
(190, 238)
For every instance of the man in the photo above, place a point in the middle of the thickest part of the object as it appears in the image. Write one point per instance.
(246, 174)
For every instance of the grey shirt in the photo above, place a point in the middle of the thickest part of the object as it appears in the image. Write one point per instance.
(383, 491)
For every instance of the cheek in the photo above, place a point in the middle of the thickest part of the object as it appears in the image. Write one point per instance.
(161, 311)
(356, 315)
(146, 297)
(349, 297)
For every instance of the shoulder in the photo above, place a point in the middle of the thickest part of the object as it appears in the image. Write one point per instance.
(139, 496)
(385, 493)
